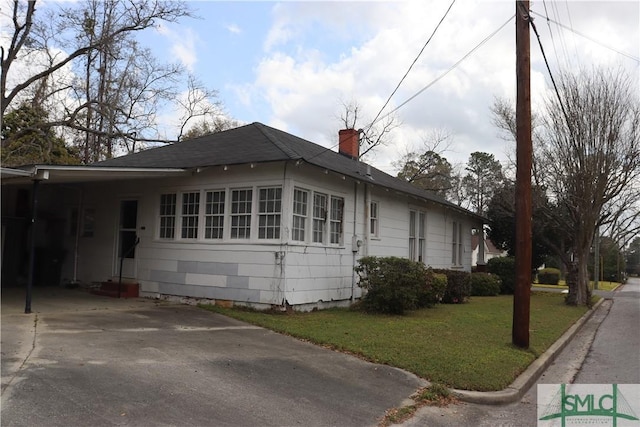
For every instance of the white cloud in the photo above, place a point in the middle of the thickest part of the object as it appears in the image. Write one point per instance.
(233, 28)
(182, 44)
(304, 84)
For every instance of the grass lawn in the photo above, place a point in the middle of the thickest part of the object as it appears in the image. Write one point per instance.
(465, 346)
(603, 286)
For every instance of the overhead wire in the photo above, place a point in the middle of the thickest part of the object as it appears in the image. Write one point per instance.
(486, 39)
(544, 56)
(553, 42)
(411, 66)
(625, 54)
(375, 120)
(575, 46)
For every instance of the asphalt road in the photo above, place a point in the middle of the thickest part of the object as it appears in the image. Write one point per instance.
(146, 364)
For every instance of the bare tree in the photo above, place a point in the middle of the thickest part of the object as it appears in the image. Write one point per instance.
(374, 135)
(588, 159)
(592, 144)
(107, 92)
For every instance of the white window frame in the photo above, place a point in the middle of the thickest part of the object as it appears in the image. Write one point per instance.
(169, 217)
(417, 235)
(456, 244)
(214, 212)
(190, 219)
(374, 219)
(319, 218)
(336, 220)
(300, 215)
(269, 213)
(240, 214)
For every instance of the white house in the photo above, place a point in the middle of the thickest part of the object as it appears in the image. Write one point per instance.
(252, 215)
(490, 250)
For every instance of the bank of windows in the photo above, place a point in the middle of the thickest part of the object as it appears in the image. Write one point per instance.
(214, 213)
(456, 244)
(324, 213)
(417, 235)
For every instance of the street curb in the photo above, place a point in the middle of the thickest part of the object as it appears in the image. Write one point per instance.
(528, 378)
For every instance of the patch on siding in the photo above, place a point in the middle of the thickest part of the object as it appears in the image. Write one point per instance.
(217, 268)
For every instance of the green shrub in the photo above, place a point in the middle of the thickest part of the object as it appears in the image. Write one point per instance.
(458, 286)
(432, 290)
(485, 284)
(393, 284)
(549, 276)
(505, 268)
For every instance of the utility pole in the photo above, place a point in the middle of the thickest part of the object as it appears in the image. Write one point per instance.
(522, 293)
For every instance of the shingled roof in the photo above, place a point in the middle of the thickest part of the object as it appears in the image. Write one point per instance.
(258, 143)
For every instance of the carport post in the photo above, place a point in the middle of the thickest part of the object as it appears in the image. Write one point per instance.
(32, 244)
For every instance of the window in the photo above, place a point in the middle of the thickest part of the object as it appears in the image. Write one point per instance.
(335, 221)
(190, 211)
(417, 233)
(241, 214)
(167, 216)
(456, 244)
(373, 219)
(300, 198)
(269, 208)
(214, 214)
(412, 235)
(319, 216)
(421, 236)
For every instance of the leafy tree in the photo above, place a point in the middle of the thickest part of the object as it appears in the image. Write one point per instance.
(484, 176)
(205, 127)
(613, 262)
(502, 223)
(429, 171)
(37, 144)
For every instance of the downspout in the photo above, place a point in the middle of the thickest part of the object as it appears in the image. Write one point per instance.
(354, 240)
(366, 213)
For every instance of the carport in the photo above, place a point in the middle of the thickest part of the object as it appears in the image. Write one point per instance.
(32, 248)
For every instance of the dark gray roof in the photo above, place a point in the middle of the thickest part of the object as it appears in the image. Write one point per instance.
(258, 143)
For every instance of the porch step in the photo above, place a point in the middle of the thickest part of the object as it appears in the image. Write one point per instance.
(110, 289)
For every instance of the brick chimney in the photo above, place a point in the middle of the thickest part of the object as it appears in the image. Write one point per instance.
(349, 143)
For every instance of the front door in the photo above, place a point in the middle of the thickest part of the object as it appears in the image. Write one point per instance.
(127, 239)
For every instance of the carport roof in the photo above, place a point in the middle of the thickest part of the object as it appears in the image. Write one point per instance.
(69, 174)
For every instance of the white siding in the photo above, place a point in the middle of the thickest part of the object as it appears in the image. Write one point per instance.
(254, 271)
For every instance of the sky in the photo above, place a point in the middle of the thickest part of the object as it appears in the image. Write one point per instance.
(293, 65)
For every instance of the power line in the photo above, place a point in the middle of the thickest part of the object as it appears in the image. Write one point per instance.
(553, 42)
(555, 87)
(486, 39)
(411, 66)
(628, 55)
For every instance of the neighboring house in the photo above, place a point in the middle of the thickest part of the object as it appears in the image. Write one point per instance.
(251, 215)
(490, 250)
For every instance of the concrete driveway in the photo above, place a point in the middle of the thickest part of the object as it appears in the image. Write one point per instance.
(84, 360)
